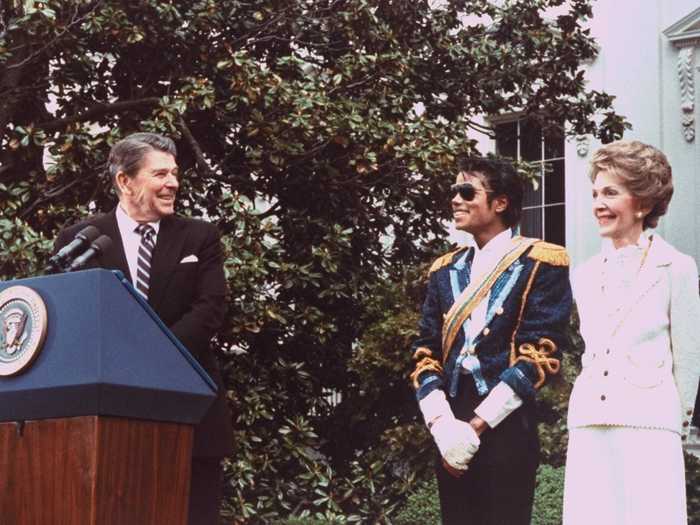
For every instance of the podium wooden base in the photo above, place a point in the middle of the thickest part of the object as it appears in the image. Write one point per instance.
(94, 470)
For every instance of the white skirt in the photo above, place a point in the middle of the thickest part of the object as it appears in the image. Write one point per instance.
(624, 476)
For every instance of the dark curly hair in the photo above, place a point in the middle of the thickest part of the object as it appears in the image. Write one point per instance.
(501, 177)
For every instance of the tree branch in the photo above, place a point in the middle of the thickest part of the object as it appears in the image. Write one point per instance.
(73, 22)
(96, 111)
(352, 85)
(51, 194)
(196, 148)
(272, 210)
(486, 130)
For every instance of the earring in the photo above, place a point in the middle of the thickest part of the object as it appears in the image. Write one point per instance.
(639, 215)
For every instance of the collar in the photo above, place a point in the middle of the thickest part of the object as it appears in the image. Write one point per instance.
(661, 253)
(128, 224)
(497, 246)
(626, 252)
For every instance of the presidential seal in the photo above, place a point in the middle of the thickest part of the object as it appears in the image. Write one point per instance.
(23, 322)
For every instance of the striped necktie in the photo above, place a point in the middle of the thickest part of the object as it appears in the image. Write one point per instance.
(143, 262)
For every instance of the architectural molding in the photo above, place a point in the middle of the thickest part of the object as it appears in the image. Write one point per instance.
(686, 79)
(685, 32)
(685, 36)
(583, 145)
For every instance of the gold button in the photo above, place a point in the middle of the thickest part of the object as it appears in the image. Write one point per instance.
(499, 311)
(683, 438)
(689, 413)
(487, 331)
(685, 423)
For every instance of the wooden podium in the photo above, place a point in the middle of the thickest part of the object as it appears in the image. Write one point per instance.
(98, 430)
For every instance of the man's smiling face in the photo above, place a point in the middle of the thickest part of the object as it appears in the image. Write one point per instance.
(477, 214)
(150, 194)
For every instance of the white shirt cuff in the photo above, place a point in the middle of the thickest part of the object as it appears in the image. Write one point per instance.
(434, 406)
(500, 402)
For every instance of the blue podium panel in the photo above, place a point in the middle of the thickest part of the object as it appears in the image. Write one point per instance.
(105, 353)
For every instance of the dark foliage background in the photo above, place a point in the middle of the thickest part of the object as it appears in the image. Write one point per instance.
(298, 134)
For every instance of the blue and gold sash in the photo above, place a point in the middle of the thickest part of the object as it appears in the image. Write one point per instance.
(476, 291)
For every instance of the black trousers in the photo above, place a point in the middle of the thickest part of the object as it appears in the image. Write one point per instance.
(205, 491)
(499, 486)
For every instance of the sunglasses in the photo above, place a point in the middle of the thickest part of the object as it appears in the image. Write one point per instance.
(465, 189)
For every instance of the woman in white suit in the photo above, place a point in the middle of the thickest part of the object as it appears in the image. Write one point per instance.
(631, 406)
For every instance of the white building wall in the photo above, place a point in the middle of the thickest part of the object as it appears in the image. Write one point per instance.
(638, 64)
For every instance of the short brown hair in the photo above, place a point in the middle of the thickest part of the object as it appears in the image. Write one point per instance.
(643, 169)
(127, 154)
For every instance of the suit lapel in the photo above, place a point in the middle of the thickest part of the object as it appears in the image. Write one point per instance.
(115, 257)
(651, 272)
(165, 258)
(459, 272)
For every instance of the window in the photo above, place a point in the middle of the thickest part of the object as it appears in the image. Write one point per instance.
(543, 209)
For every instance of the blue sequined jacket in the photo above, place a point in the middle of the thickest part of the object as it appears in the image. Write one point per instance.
(524, 335)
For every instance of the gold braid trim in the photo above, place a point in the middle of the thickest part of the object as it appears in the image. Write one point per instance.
(422, 351)
(513, 356)
(476, 291)
(549, 253)
(540, 357)
(444, 260)
(426, 364)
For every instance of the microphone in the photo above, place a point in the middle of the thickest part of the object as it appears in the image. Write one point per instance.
(82, 239)
(100, 245)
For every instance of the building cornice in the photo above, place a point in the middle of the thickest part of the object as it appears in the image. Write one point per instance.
(685, 32)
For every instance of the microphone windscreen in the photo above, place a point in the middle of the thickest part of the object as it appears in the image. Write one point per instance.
(102, 243)
(89, 233)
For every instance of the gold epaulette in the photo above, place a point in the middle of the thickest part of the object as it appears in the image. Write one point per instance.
(444, 260)
(549, 253)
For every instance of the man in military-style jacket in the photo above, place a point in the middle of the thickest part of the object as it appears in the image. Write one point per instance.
(492, 331)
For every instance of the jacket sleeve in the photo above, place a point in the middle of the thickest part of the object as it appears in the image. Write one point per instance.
(685, 343)
(540, 331)
(427, 374)
(204, 318)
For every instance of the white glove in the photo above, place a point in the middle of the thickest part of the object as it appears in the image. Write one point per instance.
(434, 406)
(456, 440)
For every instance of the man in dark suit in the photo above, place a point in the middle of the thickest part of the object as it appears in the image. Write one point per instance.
(176, 264)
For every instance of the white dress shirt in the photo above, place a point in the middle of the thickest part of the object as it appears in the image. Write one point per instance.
(131, 240)
(502, 400)
(485, 260)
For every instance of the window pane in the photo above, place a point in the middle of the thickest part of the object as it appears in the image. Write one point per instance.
(554, 182)
(553, 145)
(530, 140)
(533, 197)
(555, 230)
(507, 140)
(531, 223)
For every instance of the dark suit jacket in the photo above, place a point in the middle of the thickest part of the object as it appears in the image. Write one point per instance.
(188, 297)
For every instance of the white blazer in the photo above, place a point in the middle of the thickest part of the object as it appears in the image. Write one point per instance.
(641, 364)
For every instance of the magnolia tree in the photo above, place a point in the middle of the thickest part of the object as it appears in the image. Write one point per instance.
(320, 135)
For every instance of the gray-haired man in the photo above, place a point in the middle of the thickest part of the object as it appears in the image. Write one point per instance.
(183, 282)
